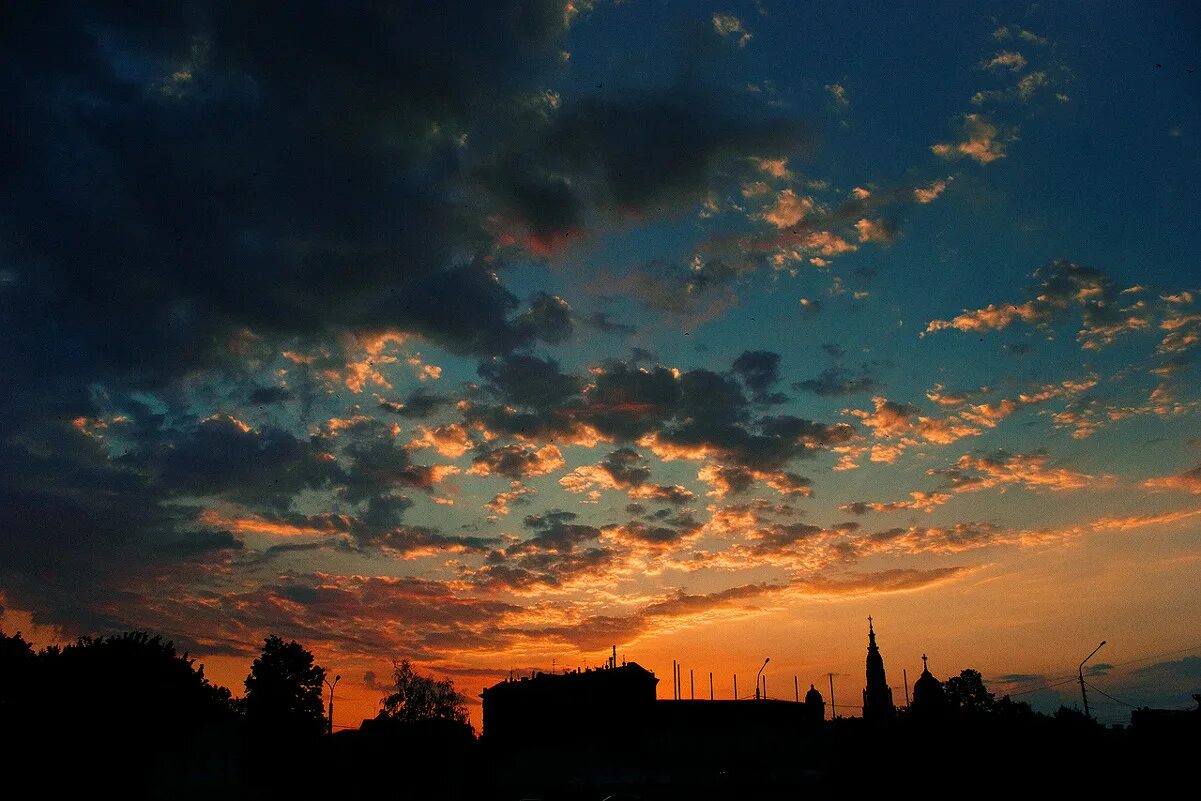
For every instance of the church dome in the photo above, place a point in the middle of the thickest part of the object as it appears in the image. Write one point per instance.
(928, 694)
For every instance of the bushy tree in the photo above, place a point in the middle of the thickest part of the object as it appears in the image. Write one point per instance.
(415, 697)
(967, 693)
(284, 689)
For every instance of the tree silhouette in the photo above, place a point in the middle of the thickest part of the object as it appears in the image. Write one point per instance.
(283, 690)
(415, 697)
(18, 664)
(967, 693)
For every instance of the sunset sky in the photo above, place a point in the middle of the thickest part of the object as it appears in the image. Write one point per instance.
(491, 335)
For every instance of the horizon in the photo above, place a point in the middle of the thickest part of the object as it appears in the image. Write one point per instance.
(492, 339)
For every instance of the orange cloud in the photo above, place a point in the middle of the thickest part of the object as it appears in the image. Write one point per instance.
(788, 209)
(981, 142)
(1005, 60)
(1032, 471)
(1188, 481)
(931, 192)
(451, 441)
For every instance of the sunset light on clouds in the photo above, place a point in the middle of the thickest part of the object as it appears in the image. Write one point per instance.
(492, 339)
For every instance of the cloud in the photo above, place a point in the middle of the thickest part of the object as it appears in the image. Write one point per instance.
(730, 25)
(600, 321)
(599, 160)
(982, 141)
(331, 159)
(920, 501)
(931, 192)
(502, 503)
(1189, 481)
(1062, 286)
(839, 93)
(902, 425)
(788, 209)
(451, 440)
(877, 231)
(895, 580)
(1005, 60)
(1032, 471)
(837, 381)
(516, 461)
(623, 468)
(693, 293)
(558, 555)
(759, 370)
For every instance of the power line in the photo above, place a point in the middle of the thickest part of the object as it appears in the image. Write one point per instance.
(1049, 683)
(1107, 695)
(1046, 686)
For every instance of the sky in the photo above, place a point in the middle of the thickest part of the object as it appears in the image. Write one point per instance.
(494, 335)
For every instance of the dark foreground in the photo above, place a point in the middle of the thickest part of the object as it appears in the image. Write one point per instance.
(1039, 757)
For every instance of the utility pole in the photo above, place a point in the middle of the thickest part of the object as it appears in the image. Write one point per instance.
(735, 686)
(337, 679)
(796, 689)
(905, 675)
(833, 709)
(710, 685)
(691, 686)
(1080, 671)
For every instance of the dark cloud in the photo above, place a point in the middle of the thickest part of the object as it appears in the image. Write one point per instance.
(600, 321)
(837, 381)
(528, 381)
(627, 467)
(380, 465)
(664, 493)
(759, 371)
(88, 539)
(692, 292)
(516, 461)
(653, 152)
(223, 457)
(264, 396)
(557, 553)
(288, 170)
(421, 403)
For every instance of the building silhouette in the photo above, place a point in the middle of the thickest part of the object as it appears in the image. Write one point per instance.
(815, 705)
(536, 708)
(877, 695)
(929, 697)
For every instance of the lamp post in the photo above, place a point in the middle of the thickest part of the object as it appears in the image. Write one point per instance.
(757, 675)
(331, 701)
(1080, 671)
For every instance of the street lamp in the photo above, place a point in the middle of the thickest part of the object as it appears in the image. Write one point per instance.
(331, 701)
(1080, 671)
(757, 675)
